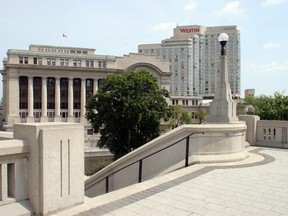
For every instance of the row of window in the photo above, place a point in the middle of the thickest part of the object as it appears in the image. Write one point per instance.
(63, 51)
(50, 105)
(184, 102)
(63, 62)
(37, 92)
(49, 114)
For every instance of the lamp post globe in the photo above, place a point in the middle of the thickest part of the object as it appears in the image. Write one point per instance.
(223, 38)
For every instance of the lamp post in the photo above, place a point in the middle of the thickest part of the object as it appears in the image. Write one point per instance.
(222, 108)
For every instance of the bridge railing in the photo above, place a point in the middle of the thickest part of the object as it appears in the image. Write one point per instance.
(143, 167)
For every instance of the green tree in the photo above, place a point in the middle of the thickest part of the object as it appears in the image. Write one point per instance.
(129, 109)
(178, 116)
(269, 107)
(201, 114)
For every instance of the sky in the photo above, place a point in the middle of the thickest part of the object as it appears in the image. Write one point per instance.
(117, 27)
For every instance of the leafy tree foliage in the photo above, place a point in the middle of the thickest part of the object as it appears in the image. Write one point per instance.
(127, 110)
(201, 114)
(269, 107)
(178, 116)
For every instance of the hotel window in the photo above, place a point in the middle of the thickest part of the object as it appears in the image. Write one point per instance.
(53, 61)
(39, 61)
(66, 62)
(79, 63)
(74, 63)
(25, 60)
(35, 61)
(99, 64)
(62, 62)
(20, 60)
(104, 64)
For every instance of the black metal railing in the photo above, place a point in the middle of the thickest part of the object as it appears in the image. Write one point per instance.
(140, 161)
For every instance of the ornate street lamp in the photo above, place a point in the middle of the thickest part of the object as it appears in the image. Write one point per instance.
(223, 108)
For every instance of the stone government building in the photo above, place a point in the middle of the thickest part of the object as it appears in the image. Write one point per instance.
(51, 84)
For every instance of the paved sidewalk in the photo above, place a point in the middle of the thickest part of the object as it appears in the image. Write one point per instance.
(255, 186)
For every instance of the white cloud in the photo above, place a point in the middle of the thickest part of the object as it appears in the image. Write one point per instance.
(191, 6)
(271, 69)
(162, 27)
(232, 8)
(271, 45)
(272, 2)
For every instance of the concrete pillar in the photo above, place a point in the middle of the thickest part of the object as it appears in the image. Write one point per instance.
(95, 86)
(30, 117)
(251, 123)
(57, 117)
(70, 100)
(56, 164)
(83, 101)
(3, 182)
(44, 117)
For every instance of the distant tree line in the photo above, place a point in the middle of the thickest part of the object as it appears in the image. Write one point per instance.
(268, 107)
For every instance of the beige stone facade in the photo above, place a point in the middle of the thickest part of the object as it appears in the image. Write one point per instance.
(50, 84)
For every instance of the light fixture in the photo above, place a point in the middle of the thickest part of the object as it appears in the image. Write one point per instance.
(223, 38)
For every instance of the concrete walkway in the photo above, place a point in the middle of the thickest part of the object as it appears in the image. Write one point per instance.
(255, 186)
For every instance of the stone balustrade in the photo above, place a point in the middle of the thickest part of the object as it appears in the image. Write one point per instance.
(266, 133)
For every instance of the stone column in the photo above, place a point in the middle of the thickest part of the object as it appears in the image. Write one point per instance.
(4, 96)
(30, 117)
(95, 86)
(57, 117)
(44, 117)
(70, 101)
(12, 103)
(83, 101)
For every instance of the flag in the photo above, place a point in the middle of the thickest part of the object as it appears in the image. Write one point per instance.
(64, 36)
